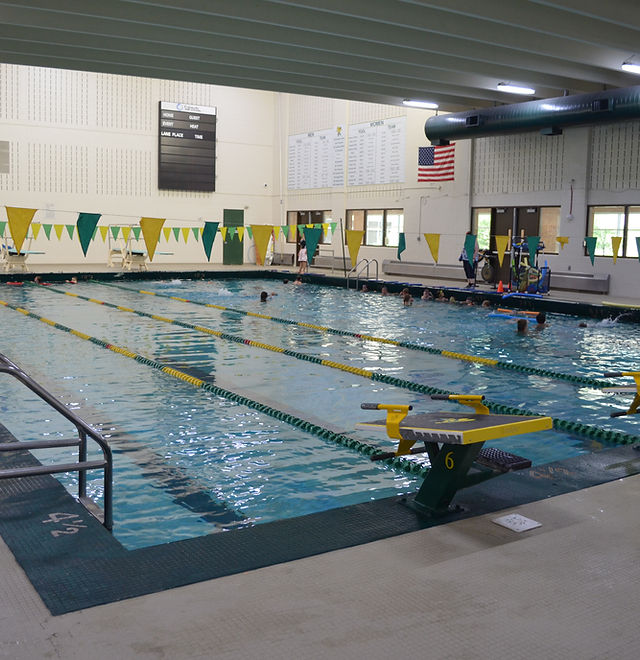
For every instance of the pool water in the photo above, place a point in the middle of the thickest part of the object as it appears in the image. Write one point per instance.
(188, 462)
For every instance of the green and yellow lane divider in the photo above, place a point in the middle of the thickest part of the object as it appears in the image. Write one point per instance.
(339, 438)
(576, 428)
(491, 362)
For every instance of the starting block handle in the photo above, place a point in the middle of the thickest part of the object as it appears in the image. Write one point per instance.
(395, 415)
(634, 408)
(472, 400)
(612, 374)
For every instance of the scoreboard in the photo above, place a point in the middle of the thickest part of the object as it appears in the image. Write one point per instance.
(187, 147)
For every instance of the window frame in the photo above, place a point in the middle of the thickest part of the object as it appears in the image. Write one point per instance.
(384, 230)
(607, 249)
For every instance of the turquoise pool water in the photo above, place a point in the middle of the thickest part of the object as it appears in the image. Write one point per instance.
(189, 462)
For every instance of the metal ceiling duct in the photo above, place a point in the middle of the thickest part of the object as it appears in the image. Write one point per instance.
(549, 116)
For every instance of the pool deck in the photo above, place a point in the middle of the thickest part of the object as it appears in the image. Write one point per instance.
(467, 589)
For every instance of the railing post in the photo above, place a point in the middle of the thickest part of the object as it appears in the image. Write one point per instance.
(82, 457)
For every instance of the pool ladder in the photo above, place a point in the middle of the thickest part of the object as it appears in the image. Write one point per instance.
(105, 516)
(362, 266)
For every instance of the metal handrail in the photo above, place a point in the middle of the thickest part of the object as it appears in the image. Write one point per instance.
(365, 264)
(84, 430)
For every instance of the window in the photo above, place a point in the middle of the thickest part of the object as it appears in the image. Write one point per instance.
(295, 218)
(382, 227)
(481, 227)
(608, 221)
(549, 226)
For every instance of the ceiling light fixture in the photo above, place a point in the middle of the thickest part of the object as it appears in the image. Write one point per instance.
(420, 104)
(631, 67)
(515, 89)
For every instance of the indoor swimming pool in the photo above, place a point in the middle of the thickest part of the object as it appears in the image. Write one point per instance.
(190, 462)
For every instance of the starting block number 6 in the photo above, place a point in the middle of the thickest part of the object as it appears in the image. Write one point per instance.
(448, 461)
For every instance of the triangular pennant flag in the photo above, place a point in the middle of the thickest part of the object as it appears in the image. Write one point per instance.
(354, 240)
(615, 245)
(103, 233)
(35, 228)
(70, 230)
(223, 231)
(590, 242)
(333, 226)
(47, 231)
(276, 231)
(208, 236)
(402, 244)
(58, 229)
(93, 236)
(86, 223)
(292, 232)
(563, 240)
(285, 230)
(136, 232)
(115, 232)
(240, 233)
(433, 241)
(232, 232)
(261, 237)
(312, 236)
(501, 247)
(151, 228)
(310, 225)
(3, 224)
(19, 221)
(249, 232)
(185, 233)
(176, 233)
(532, 244)
(196, 232)
(126, 232)
(470, 246)
(167, 232)
(325, 227)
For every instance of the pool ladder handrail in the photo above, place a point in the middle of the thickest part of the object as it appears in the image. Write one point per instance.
(363, 264)
(84, 430)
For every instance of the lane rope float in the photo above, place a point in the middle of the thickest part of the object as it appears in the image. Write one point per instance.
(491, 362)
(397, 462)
(576, 428)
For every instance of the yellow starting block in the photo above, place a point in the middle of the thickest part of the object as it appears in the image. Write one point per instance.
(454, 443)
(625, 389)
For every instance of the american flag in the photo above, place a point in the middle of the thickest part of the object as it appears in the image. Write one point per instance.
(436, 163)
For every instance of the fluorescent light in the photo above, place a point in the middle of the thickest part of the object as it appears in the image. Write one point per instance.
(515, 89)
(420, 104)
(631, 67)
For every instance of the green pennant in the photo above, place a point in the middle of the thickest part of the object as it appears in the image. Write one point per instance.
(196, 232)
(312, 236)
(470, 246)
(590, 242)
(231, 231)
(333, 226)
(532, 243)
(176, 233)
(114, 232)
(3, 224)
(249, 231)
(136, 232)
(47, 231)
(70, 230)
(87, 224)
(285, 230)
(208, 236)
(402, 244)
(301, 231)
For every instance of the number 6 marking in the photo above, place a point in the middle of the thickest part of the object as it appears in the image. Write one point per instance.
(448, 461)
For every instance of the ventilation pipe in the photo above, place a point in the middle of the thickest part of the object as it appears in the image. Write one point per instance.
(549, 116)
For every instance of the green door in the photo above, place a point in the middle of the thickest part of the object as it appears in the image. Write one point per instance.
(232, 253)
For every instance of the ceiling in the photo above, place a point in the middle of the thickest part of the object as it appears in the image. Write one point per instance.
(451, 52)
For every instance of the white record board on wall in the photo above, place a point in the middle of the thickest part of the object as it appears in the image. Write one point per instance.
(316, 159)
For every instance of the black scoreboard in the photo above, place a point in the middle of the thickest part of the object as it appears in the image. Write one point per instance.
(187, 147)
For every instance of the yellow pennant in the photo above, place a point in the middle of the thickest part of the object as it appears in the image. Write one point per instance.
(167, 232)
(563, 240)
(151, 228)
(261, 237)
(223, 231)
(292, 231)
(35, 228)
(103, 232)
(240, 233)
(325, 227)
(276, 231)
(615, 244)
(433, 241)
(58, 229)
(126, 231)
(185, 233)
(19, 221)
(354, 240)
(502, 243)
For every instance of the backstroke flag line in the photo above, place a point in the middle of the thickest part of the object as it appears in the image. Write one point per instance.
(436, 163)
